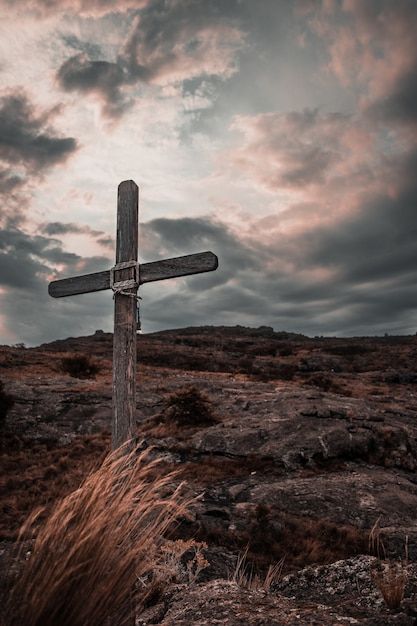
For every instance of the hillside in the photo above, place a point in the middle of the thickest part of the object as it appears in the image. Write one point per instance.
(298, 449)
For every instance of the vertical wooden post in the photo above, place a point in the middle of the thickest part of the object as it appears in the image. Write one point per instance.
(125, 323)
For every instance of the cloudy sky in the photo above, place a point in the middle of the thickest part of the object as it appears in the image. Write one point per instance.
(280, 134)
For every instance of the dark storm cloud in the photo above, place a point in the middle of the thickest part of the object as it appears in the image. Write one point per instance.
(25, 137)
(401, 104)
(170, 42)
(89, 8)
(79, 73)
(92, 50)
(69, 228)
(198, 299)
(61, 228)
(107, 242)
(175, 237)
(294, 149)
(29, 146)
(356, 276)
(250, 285)
(25, 260)
(168, 34)
(378, 243)
(27, 264)
(65, 228)
(8, 181)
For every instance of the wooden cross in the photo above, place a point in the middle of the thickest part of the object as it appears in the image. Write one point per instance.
(124, 279)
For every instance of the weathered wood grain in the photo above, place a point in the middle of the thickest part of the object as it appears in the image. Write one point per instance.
(79, 284)
(178, 266)
(124, 338)
(149, 272)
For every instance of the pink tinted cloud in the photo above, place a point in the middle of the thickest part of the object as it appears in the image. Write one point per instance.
(195, 49)
(371, 45)
(169, 43)
(329, 165)
(88, 8)
(301, 151)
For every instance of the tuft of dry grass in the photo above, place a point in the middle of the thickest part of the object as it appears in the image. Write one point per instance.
(389, 576)
(245, 577)
(93, 558)
(376, 545)
(391, 579)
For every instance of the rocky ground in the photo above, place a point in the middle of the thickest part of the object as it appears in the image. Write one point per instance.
(303, 450)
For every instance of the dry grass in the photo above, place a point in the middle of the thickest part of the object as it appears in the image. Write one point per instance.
(245, 577)
(391, 579)
(93, 559)
(376, 545)
(389, 576)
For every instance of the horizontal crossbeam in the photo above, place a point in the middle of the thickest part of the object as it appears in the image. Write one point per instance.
(148, 272)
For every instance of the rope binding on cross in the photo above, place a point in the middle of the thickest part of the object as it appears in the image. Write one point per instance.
(120, 286)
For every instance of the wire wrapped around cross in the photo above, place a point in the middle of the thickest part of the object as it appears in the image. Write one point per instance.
(120, 286)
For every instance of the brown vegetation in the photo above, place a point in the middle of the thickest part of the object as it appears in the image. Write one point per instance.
(80, 366)
(6, 403)
(38, 473)
(245, 577)
(269, 535)
(189, 407)
(293, 470)
(391, 579)
(94, 557)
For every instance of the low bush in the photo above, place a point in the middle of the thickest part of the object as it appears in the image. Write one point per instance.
(80, 366)
(265, 372)
(245, 365)
(286, 350)
(6, 403)
(350, 349)
(189, 407)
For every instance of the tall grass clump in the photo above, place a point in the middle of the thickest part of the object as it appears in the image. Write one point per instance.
(389, 576)
(92, 560)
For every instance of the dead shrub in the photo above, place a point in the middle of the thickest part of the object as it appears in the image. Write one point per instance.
(189, 407)
(184, 560)
(6, 403)
(80, 366)
(93, 558)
